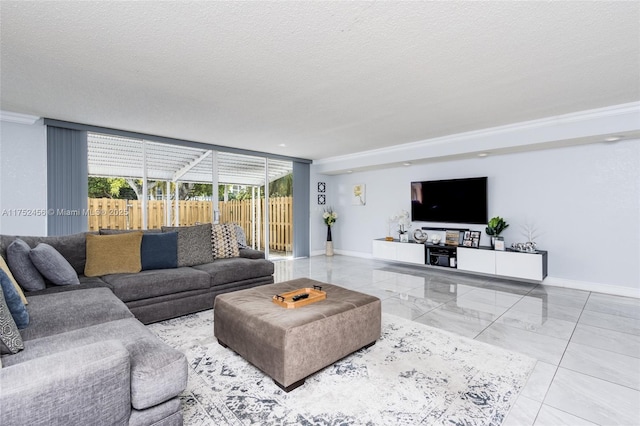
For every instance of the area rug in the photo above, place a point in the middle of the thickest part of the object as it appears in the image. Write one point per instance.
(413, 375)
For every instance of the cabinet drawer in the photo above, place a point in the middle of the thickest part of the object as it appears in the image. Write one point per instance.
(476, 260)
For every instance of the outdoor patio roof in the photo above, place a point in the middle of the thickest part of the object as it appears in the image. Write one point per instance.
(114, 156)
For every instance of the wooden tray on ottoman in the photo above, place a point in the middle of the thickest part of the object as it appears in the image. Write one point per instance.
(290, 299)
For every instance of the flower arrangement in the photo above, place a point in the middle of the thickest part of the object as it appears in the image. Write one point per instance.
(329, 216)
(402, 218)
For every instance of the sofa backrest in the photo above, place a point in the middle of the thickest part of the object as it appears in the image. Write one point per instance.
(71, 247)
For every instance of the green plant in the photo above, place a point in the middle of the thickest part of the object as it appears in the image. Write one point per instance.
(495, 226)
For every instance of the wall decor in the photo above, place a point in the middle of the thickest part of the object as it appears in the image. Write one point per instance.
(322, 187)
(359, 195)
(322, 199)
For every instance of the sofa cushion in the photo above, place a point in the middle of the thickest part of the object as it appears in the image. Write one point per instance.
(14, 303)
(113, 254)
(85, 385)
(22, 267)
(159, 251)
(157, 369)
(5, 268)
(156, 282)
(224, 271)
(52, 314)
(158, 372)
(52, 265)
(194, 244)
(10, 338)
(224, 241)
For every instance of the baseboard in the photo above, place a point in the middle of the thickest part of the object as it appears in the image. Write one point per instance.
(615, 290)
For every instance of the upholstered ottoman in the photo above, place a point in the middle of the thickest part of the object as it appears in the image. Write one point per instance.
(290, 344)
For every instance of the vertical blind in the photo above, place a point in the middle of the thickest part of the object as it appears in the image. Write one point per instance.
(67, 184)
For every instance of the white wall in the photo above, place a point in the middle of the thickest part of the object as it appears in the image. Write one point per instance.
(583, 200)
(23, 178)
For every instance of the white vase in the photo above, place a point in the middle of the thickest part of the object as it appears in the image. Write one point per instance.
(404, 237)
(329, 248)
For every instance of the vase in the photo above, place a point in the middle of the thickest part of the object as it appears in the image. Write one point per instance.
(404, 237)
(328, 250)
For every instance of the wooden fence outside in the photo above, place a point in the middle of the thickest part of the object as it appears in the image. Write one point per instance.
(127, 214)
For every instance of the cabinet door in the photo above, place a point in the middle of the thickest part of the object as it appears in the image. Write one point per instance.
(410, 253)
(477, 260)
(384, 250)
(519, 265)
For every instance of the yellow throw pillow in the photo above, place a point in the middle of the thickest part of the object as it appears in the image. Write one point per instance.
(5, 268)
(113, 254)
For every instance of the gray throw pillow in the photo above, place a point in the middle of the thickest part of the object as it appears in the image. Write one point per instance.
(53, 266)
(22, 268)
(194, 244)
(10, 339)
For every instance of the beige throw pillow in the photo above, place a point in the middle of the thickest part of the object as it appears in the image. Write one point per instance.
(113, 254)
(224, 241)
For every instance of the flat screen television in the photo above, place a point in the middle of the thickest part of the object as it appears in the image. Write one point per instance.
(450, 201)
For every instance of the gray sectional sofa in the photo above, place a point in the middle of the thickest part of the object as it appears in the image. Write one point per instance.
(88, 361)
(159, 294)
(88, 358)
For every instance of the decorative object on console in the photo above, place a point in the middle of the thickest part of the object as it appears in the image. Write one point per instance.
(452, 238)
(404, 223)
(499, 243)
(359, 195)
(528, 247)
(329, 217)
(495, 226)
(435, 239)
(420, 236)
(471, 239)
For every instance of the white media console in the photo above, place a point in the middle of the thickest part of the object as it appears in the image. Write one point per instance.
(483, 260)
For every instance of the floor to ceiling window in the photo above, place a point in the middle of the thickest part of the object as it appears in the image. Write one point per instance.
(139, 184)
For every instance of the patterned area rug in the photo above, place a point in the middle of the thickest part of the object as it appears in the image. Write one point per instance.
(414, 374)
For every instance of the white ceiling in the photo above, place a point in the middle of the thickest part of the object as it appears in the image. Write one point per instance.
(324, 78)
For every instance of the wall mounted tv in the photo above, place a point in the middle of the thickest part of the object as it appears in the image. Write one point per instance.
(450, 201)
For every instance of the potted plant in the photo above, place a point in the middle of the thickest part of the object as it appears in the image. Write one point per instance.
(495, 226)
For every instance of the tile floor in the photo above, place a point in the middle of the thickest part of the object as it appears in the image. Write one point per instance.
(587, 344)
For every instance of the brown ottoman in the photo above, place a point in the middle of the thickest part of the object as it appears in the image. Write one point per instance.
(290, 344)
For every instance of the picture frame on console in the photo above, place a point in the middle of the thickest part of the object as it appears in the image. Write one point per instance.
(475, 238)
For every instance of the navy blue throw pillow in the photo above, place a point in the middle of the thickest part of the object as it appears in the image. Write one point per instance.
(14, 303)
(159, 251)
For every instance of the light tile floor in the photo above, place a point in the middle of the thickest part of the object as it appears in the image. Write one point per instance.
(587, 344)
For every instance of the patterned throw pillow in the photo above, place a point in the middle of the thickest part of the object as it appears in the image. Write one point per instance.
(224, 241)
(10, 339)
(194, 244)
(242, 239)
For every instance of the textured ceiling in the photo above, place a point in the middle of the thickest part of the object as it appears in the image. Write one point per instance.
(323, 78)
